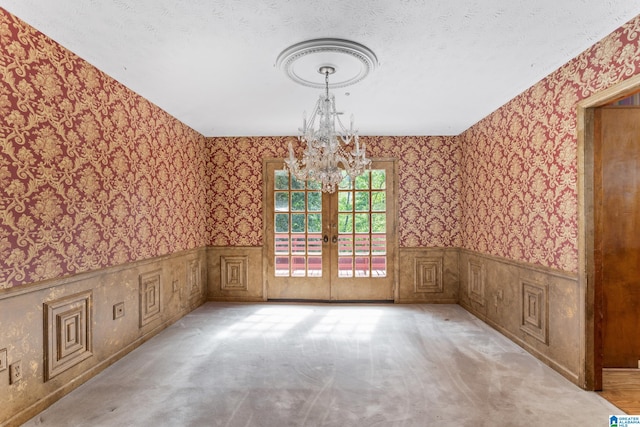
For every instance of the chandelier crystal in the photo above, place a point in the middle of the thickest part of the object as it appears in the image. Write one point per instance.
(331, 147)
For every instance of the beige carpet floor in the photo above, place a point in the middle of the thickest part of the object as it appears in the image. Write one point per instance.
(276, 364)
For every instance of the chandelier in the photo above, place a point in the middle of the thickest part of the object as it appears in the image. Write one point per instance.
(326, 154)
(331, 150)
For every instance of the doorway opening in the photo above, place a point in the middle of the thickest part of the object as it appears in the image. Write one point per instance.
(588, 197)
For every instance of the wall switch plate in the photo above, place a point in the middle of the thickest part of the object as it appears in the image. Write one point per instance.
(175, 286)
(118, 310)
(15, 372)
(3, 359)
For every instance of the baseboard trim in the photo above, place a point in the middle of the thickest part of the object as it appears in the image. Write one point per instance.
(235, 299)
(427, 301)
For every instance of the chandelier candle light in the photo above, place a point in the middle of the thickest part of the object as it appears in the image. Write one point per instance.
(330, 148)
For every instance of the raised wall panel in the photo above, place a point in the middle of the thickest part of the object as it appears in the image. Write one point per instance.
(194, 281)
(534, 311)
(150, 297)
(234, 272)
(428, 275)
(476, 289)
(68, 332)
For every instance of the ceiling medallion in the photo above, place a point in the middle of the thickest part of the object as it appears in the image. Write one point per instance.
(352, 62)
(332, 152)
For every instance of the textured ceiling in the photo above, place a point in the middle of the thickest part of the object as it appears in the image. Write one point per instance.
(444, 64)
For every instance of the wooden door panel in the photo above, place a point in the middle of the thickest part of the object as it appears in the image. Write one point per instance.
(617, 239)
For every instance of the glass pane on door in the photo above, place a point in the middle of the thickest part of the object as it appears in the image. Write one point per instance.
(297, 227)
(362, 231)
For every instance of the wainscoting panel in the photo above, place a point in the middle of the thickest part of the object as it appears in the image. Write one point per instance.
(235, 274)
(68, 328)
(476, 287)
(536, 307)
(194, 278)
(428, 275)
(534, 310)
(65, 331)
(150, 297)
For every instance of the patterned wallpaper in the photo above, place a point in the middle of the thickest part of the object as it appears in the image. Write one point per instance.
(428, 193)
(519, 196)
(91, 175)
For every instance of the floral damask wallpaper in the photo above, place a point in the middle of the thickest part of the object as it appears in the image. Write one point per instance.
(519, 196)
(428, 193)
(91, 174)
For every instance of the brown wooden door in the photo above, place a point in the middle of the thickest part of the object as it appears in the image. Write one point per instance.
(617, 235)
(321, 246)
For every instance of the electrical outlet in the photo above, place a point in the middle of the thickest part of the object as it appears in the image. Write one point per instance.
(3, 359)
(118, 310)
(15, 372)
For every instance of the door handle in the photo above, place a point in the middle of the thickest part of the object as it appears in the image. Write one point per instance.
(334, 239)
(325, 239)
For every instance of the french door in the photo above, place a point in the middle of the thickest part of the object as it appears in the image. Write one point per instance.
(330, 246)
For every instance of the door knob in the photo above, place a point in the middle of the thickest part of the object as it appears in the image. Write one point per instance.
(325, 239)
(334, 239)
